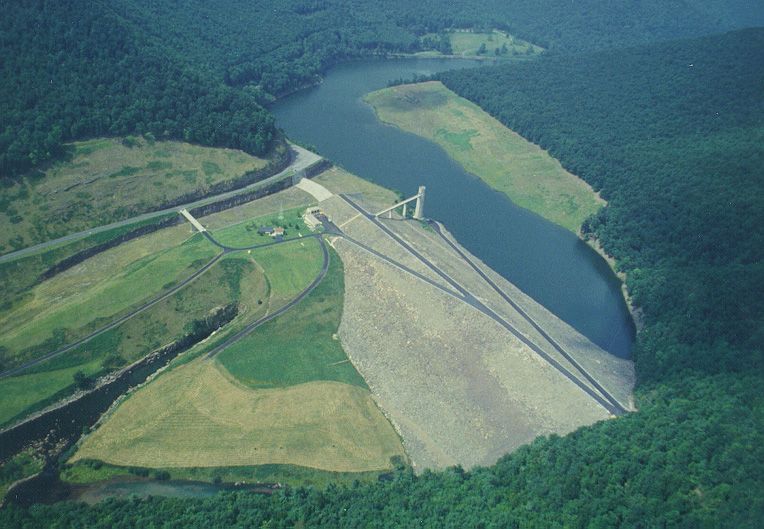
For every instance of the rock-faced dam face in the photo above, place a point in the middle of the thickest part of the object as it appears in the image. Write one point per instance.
(457, 385)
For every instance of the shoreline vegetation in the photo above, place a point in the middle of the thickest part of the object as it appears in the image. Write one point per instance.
(529, 176)
(466, 132)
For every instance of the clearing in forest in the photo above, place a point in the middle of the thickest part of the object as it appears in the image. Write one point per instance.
(527, 174)
(469, 43)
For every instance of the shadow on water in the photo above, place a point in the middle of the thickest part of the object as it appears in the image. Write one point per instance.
(547, 262)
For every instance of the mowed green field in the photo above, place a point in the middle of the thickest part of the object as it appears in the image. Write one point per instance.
(527, 174)
(109, 180)
(300, 346)
(285, 395)
(289, 267)
(468, 43)
(245, 233)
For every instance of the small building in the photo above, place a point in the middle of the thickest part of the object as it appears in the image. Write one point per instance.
(310, 218)
(277, 232)
(265, 230)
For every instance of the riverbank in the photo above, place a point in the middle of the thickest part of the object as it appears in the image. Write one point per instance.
(529, 176)
(637, 315)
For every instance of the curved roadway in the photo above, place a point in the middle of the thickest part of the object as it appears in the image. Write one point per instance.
(226, 249)
(302, 161)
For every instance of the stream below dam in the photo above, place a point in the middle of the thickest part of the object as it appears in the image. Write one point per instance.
(547, 262)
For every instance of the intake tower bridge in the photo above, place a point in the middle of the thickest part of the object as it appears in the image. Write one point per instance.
(418, 207)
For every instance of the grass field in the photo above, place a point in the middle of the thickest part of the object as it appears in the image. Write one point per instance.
(232, 279)
(197, 415)
(527, 174)
(289, 268)
(289, 198)
(298, 347)
(107, 180)
(468, 44)
(245, 233)
(19, 275)
(337, 180)
(87, 297)
(283, 403)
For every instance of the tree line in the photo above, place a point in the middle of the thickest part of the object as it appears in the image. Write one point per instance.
(202, 71)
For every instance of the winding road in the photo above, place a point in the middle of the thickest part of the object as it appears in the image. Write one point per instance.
(254, 325)
(303, 159)
(147, 305)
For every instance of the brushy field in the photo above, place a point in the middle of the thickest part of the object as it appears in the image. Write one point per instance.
(468, 44)
(233, 279)
(198, 415)
(86, 297)
(21, 465)
(108, 180)
(300, 346)
(93, 471)
(527, 174)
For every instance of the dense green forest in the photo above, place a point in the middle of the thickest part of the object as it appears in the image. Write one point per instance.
(672, 134)
(678, 155)
(77, 69)
(73, 70)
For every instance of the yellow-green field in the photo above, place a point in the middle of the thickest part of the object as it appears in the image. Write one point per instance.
(107, 180)
(285, 395)
(337, 180)
(197, 415)
(233, 279)
(80, 300)
(527, 174)
(468, 43)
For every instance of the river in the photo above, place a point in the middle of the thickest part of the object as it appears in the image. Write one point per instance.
(547, 262)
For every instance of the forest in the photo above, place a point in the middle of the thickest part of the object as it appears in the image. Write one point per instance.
(202, 71)
(671, 134)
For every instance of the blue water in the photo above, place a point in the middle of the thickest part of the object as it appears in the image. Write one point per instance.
(547, 262)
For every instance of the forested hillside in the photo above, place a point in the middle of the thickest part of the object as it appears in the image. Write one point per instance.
(75, 69)
(672, 135)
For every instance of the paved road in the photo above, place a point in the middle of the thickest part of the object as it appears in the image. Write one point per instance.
(303, 160)
(437, 227)
(608, 402)
(147, 305)
(254, 325)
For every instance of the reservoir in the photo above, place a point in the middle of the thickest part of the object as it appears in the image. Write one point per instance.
(544, 260)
